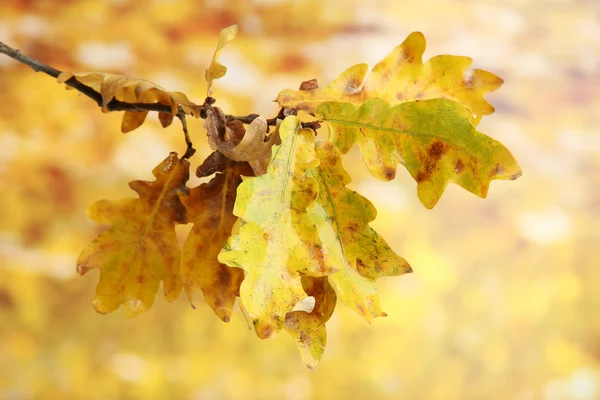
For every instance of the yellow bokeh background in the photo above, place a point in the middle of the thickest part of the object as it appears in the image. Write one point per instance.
(504, 302)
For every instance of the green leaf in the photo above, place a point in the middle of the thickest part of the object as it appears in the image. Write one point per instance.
(434, 139)
(277, 241)
(365, 256)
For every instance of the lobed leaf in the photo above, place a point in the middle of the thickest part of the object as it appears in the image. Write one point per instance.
(308, 328)
(365, 256)
(140, 248)
(210, 209)
(402, 77)
(434, 139)
(276, 240)
(217, 70)
(133, 91)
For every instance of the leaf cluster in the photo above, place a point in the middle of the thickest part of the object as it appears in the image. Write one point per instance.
(276, 225)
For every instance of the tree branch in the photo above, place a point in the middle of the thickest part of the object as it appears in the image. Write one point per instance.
(115, 105)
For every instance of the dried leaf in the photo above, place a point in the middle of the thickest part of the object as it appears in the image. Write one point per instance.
(210, 209)
(140, 248)
(252, 144)
(402, 77)
(133, 91)
(434, 139)
(215, 162)
(217, 70)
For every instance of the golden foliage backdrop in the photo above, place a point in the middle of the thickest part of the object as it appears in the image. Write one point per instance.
(505, 299)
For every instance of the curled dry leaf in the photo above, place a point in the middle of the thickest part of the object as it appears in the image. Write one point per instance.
(133, 91)
(215, 162)
(252, 144)
(217, 70)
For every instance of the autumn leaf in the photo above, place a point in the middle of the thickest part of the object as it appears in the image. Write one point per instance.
(308, 328)
(434, 139)
(238, 143)
(402, 77)
(133, 91)
(210, 209)
(365, 255)
(217, 70)
(276, 240)
(140, 248)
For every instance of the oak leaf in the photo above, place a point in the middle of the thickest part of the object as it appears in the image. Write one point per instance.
(402, 77)
(276, 240)
(434, 139)
(217, 70)
(210, 208)
(365, 254)
(133, 91)
(308, 328)
(140, 249)
(239, 143)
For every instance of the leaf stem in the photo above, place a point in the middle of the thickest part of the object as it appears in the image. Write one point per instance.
(190, 151)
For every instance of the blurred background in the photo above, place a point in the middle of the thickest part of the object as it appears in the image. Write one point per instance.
(504, 302)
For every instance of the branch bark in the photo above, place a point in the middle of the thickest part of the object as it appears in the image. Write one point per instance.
(115, 105)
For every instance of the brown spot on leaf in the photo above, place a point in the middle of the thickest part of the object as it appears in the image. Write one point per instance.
(224, 277)
(437, 150)
(267, 332)
(389, 173)
(420, 177)
(459, 167)
(407, 55)
(140, 279)
(497, 170)
(360, 266)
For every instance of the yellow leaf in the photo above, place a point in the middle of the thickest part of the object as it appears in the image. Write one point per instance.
(133, 91)
(308, 328)
(140, 248)
(277, 240)
(434, 139)
(210, 209)
(365, 256)
(402, 77)
(217, 70)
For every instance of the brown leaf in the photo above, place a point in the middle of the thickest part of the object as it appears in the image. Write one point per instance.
(210, 209)
(254, 146)
(215, 162)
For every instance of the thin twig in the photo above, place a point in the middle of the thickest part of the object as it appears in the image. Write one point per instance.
(190, 151)
(115, 105)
